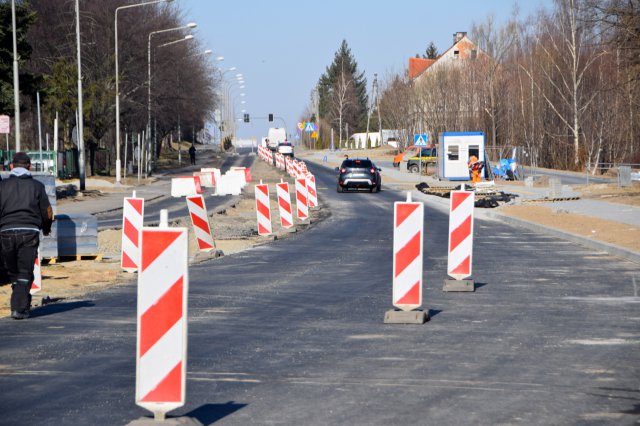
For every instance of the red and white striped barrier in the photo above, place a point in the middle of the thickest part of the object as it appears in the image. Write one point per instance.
(161, 356)
(280, 161)
(132, 222)
(207, 179)
(246, 171)
(200, 222)
(408, 220)
(284, 205)
(311, 189)
(36, 285)
(460, 234)
(263, 209)
(302, 199)
(288, 164)
(185, 185)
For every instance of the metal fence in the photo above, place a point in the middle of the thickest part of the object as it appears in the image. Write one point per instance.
(623, 173)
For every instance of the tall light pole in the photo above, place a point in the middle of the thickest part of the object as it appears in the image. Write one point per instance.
(80, 123)
(16, 84)
(118, 164)
(152, 33)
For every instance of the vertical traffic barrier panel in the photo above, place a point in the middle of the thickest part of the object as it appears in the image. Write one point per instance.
(200, 222)
(161, 355)
(311, 189)
(36, 285)
(263, 209)
(302, 199)
(132, 221)
(408, 224)
(460, 257)
(284, 205)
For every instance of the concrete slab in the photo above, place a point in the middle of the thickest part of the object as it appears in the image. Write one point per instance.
(173, 421)
(405, 317)
(459, 285)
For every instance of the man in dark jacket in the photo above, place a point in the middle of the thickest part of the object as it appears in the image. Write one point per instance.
(24, 211)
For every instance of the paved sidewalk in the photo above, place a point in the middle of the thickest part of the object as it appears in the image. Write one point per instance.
(402, 180)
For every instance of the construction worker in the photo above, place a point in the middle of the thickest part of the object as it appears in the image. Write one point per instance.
(475, 169)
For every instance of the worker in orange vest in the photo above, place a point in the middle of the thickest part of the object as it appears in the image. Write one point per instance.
(475, 168)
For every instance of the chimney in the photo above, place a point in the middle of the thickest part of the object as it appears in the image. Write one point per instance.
(458, 36)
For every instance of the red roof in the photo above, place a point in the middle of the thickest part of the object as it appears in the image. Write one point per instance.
(418, 65)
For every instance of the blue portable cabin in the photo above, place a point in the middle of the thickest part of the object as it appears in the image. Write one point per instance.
(454, 152)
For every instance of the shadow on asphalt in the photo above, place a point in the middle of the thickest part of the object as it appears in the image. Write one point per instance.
(56, 308)
(479, 285)
(433, 312)
(210, 413)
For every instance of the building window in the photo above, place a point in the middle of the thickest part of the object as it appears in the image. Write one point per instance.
(474, 54)
(452, 153)
(456, 54)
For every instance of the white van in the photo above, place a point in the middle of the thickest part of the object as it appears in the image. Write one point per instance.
(275, 136)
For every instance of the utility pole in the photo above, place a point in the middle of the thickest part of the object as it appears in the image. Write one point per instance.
(16, 84)
(374, 99)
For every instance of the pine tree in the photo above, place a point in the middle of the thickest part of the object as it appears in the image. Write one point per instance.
(431, 52)
(344, 64)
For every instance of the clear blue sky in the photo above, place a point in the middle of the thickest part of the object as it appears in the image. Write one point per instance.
(282, 47)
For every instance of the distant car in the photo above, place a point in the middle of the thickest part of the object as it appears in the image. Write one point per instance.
(358, 173)
(285, 148)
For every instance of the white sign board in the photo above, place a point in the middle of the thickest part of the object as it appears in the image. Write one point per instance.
(5, 124)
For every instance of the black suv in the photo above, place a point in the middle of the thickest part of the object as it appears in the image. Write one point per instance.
(358, 173)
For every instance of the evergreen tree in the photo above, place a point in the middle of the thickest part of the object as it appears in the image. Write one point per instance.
(431, 52)
(344, 64)
(24, 19)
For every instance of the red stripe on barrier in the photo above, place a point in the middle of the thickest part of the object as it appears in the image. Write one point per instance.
(155, 244)
(262, 229)
(459, 234)
(408, 253)
(285, 222)
(169, 389)
(199, 222)
(197, 201)
(202, 244)
(161, 316)
(127, 262)
(130, 231)
(458, 199)
(264, 210)
(137, 204)
(403, 212)
(412, 297)
(464, 267)
(286, 207)
(263, 188)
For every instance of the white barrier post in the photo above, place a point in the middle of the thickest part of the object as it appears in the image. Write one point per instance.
(460, 259)
(408, 222)
(36, 285)
(161, 356)
(302, 199)
(200, 222)
(263, 209)
(132, 222)
(284, 205)
(311, 189)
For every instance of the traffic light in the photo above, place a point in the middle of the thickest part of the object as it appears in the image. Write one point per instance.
(270, 117)
(246, 118)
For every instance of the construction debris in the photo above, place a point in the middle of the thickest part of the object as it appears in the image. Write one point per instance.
(486, 195)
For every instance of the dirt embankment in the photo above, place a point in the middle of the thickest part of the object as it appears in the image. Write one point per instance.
(234, 230)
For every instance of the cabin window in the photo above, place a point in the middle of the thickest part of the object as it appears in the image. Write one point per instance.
(456, 54)
(453, 153)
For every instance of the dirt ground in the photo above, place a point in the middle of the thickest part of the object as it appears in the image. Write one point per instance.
(234, 230)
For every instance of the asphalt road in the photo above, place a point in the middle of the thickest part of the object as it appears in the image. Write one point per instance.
(176, 207)
(292, 333)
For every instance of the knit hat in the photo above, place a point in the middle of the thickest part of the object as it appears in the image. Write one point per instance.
(21, 159)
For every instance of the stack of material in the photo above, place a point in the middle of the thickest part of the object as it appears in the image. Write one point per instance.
(71, 235)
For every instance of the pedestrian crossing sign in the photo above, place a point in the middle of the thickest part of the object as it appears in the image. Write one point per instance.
(420, 139)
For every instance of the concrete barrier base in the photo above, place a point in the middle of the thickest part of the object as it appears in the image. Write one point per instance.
(405, 317)
(173, 421)
(459, 285)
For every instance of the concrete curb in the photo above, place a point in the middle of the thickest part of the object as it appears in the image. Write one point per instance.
(593, 244)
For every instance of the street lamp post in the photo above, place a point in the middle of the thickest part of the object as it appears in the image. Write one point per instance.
(16, 87)
(189, 25)
(118, 164)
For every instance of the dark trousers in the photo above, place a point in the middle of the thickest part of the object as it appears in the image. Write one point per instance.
(19, 249)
